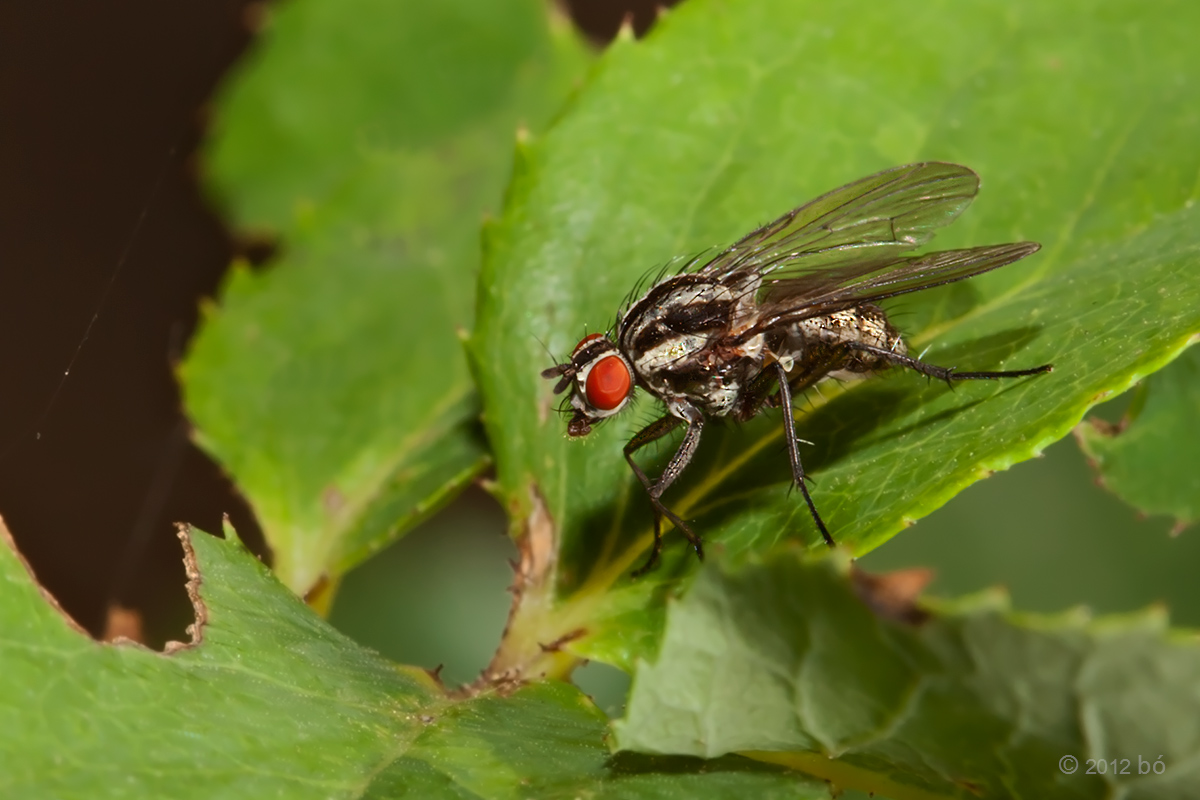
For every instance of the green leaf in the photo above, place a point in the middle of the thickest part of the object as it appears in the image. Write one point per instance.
(373, 137)
(729, 114)
(783, 656)
(1147, 459)
(329, 85)
(270, 701)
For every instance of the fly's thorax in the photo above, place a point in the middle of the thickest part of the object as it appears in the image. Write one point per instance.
(675, 321)
(668, 355)
(679, 338)
(744, 287)
(699, 369)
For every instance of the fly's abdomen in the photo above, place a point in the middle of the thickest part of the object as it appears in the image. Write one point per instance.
(819, 336)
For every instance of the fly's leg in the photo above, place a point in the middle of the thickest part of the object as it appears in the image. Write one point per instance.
(758, 395)
(946, 374)
(793, 447)
(691, 439)
(652, 432)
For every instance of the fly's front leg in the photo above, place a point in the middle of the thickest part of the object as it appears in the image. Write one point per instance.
(757, 395)
(652, 432)
(793, 447)
(946, 374)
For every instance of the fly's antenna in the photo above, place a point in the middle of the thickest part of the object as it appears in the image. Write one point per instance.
(549, 353)
(563, 370)
(564, 373)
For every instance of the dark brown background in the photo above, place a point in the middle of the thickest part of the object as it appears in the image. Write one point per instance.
(100, 115)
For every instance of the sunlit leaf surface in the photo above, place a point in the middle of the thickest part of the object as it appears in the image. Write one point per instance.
(731, 113)
(272, 702)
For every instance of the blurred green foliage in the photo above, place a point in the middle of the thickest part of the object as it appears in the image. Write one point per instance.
(966, 700)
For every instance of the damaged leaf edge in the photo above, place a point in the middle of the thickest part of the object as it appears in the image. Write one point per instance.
(1093, 428)
(195, 630)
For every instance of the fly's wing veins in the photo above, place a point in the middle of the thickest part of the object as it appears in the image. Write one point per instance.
(871, 220)
(847, 247)
(791, 300)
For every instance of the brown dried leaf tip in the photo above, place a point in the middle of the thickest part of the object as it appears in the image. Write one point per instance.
(539, 545)
(513, 663)
(123, 624)
(893, 595)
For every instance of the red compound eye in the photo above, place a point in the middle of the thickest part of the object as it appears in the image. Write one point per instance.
(608, 383)
(585, 341)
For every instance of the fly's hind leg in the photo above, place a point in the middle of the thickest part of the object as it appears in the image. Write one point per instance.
(793, 446)
(947, 374)
(759, 395)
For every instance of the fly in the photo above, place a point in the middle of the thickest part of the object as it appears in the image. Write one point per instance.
(790, 304)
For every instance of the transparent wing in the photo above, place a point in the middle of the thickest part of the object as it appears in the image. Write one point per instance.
(867, 223)
(803, 297)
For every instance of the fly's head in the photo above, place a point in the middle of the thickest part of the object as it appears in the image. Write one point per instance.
(600, 379)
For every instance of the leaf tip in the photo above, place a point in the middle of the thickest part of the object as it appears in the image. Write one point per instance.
(558, 18)
(626, 32)
(256, 17)
(228, 531)
(435, 675)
